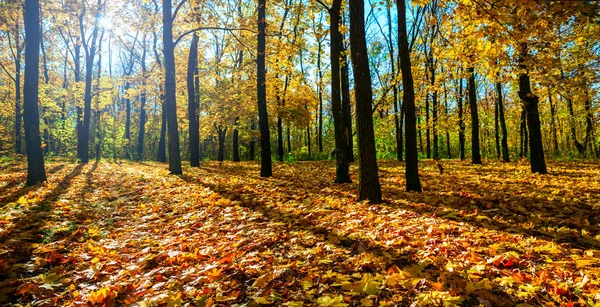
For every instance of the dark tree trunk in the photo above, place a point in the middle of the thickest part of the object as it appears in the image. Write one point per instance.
(236, 142)
(530, 101)
(346, 105)
(142, 132)
(170, 88)
(427, 131)
(553, 123)
(266, 168)
(420, 129)
(320, 93)
(90, 53)
(96, 127)
(252, 143)
(446, 113)
(504, 141)
(461, 122)
(18, 118)
(497, 127)
(289, 139)
(194, 127)
(279, 130)
(523, 134)
(434, 110)
(475, 152)
(412, 159)
(368, 180)
(222, 132)
(127, 121)
(162, 147)
(36, 171)
(397, 113)
(342, 132)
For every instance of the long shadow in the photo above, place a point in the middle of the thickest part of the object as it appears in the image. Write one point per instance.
(25, 230)
(354, 245)
(24, 190)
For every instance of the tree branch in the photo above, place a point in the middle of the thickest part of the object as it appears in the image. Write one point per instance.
(7, 73)
(177, 9)
(323, 4)
(209, 28)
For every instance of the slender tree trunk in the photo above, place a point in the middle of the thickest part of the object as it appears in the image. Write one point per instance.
(497, 127)
(279, 130)
(162, 141)
(320, 93)
(36, 171)
(461, 122)
(266, 169)
(18, 118)
(553, 123)
(475, 148)
(368, 180)
(90, 53)
(170, 88)
(434, 111)
(252, 145)
(194, 129)
(446, 114)
(504, 141)
(427, 131)
(538, 163)
(127, 121)
(342, 133)
(142, 132)
(346, 105)
(413, 182)
(289, 139)
(236, 142)
(397, 113)
(222, 132)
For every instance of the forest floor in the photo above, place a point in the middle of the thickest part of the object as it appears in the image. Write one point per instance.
(131, 234)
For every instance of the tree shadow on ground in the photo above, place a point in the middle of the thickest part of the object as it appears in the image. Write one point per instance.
(8, 198)
(354, 245)
(25, 230)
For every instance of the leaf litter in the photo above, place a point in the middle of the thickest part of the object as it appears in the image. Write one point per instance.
(110, 234)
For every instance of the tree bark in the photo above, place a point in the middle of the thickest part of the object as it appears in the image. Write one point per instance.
(553, 123)
(36, 171)
(504, 141)
(475, 148)
(346, 104)
(170, 88)
(368, 180)
(412, 160)
(142, 132)
(461, 122)
(236, 142)
(266, 168)
(18, 118)
(90, 53)
(530, 101)
(194, 128)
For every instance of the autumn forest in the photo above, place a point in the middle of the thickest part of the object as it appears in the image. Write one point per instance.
(299, 153)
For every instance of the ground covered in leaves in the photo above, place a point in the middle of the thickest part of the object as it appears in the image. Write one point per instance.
(131, 234)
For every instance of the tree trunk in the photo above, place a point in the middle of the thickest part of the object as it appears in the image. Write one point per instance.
(368, 180)
(222, 132)
(36, 171)
(475, 151)
(446, 114)
(427, 131)
(504, 141)
(18, 118)
(194, 129)
(461, 122)
(397, 112)
(266, 168)
(236, 142)
(162, 147)
(252, 145)
(497, 127)
(90, 53)
(538, 163)
(346, 105)
(434, 110)
(342, 134)
(412, 159)
(320, 93)
(142, 132)
(553, 123)
(170, 88)
(127, 121)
